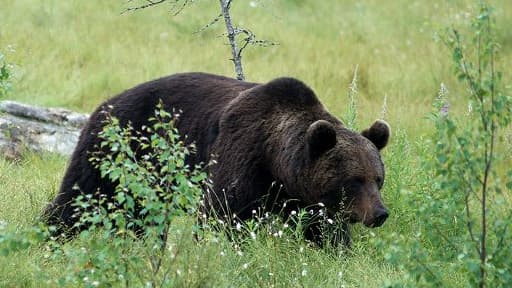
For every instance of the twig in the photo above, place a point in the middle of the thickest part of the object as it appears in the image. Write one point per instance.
(468, 162)
(503, 233)
(181, 8)
(215, 20)
(149, 4)
(469, 224)
(251, 39)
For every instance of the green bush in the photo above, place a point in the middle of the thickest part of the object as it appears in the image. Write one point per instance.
(154, 187)
(5, 76)
(462, 208)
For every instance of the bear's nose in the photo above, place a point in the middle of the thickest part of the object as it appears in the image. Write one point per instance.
(380, 217)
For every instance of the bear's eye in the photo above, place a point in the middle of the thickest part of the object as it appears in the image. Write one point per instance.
(356, 181)
(379, 181)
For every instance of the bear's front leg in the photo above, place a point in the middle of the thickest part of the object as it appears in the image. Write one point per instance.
(323, 233)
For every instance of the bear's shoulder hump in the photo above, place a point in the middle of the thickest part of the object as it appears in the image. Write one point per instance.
(290, 90)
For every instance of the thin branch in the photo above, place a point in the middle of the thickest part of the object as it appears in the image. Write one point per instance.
(489, 155)
(251, 39)
(502, 234)
(181, 8)
(445, 238)
(434, 275)
(149, 4)
(472, 83)
(469, 224)
(215, 20)
(479, 44)
(474, 172)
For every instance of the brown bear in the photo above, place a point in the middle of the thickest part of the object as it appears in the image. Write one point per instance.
(260, 135)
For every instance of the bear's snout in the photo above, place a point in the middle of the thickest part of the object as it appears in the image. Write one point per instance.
(380, 217)
(369, 210)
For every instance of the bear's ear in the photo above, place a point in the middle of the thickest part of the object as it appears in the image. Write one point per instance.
(320, 136)
(378, 133)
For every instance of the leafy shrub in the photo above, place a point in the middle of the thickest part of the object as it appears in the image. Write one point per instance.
(154, 186)
(5, 75)
(463, 211)
(153, 183)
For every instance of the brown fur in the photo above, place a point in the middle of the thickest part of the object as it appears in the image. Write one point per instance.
(259, 134)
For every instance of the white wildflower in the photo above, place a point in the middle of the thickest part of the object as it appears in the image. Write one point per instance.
(164, 36)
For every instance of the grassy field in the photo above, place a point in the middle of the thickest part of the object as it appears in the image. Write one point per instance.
(76, 54)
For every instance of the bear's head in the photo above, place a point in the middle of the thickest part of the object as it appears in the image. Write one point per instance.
(345, 171)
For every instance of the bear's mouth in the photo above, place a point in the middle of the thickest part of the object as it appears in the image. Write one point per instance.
(374, 222)
(352, 217)
(377, 220)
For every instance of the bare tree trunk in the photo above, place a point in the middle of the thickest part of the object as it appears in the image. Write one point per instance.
(237, 57)
(38, 129)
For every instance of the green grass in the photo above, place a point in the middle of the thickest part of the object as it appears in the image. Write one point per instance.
(75, 54)
(27, 186)
(78, 53)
